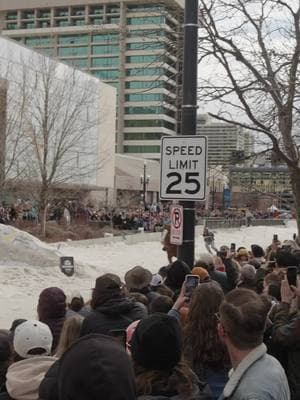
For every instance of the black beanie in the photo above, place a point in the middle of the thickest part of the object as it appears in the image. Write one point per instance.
(257, 251)
(156, 343)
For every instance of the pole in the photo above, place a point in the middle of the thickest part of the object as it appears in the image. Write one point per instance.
(186, 252)
(144, 186)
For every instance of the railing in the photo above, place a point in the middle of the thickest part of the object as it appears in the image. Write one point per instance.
(218, 223)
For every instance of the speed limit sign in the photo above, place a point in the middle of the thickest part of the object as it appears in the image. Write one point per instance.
(183, 168)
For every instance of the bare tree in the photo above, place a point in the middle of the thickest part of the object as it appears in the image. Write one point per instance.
(250, 53)
(60, 128)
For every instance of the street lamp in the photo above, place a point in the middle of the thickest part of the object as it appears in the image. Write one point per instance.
(145, 179)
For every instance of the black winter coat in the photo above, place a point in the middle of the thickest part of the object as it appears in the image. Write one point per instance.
(113, 314)
(286, 333)
(49, 386)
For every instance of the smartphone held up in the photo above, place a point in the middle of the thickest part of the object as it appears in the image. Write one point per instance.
(191, 282)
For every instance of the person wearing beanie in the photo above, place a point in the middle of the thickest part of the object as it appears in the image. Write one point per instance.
(138, 280)
(111, 307)
(156, 350)
(257, 252)
(52, 311)
(96, 367)
(32, 345)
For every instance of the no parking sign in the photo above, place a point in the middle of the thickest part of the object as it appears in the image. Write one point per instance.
(176, 233)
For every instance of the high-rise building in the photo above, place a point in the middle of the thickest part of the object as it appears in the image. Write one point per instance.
(133, 45)
(228, 144)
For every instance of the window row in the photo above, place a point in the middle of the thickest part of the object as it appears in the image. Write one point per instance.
(159, 123)
(141, 149)
(150, 110)
(143, 136)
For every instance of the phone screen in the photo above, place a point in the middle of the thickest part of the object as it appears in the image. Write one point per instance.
(275, 238)
(232, 247)
(292, 276)
(191, 282)
(120, 336)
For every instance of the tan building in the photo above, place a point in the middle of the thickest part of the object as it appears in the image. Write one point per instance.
(134, 46)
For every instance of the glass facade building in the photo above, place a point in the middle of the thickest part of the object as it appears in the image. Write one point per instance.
(134, 46)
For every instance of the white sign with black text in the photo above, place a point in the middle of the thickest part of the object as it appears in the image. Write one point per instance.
(183, 168)
(176, 232)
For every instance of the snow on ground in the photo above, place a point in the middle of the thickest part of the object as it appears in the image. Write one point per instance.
(27, 265)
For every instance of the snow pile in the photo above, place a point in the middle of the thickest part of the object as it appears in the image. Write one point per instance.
(20, 248)
(27, 265)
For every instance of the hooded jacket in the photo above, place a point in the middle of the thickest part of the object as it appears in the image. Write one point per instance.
(24, 377)
(113, 314)
(96, 367)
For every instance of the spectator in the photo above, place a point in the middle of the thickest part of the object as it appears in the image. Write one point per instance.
(156, 348)
(96, 367)
(255, 374)
(5, 358)
(111, 309)
(32, 344)
(247, 277)
(286, 333)
(176, 275)
(242, 256)
(202, 273)
(76, 306)
(227, 280)
(204, 351)
(258, 254)
(70, 334)
(158, 286)
(162, 304)
(138, 280)
(52, 311)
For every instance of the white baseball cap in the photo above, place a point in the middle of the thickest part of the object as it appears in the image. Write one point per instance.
(156, 280)
(32, 335)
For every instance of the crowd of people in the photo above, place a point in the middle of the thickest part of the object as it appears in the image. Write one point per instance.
(226, 328)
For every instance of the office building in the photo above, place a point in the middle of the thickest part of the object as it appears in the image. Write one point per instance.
(49, 122)
(132, 45)
(227, 144)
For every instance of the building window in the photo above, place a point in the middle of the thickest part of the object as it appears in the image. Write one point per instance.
(63, 22)
(44, 14)
(145, 8)
(29, 25)
(144, 84)
(146, 20)
(150, 110)
(62, 12)
(141, 149)
(79, 62)
(79, 22)
(145, 46)
(144, 97)
(105, 62)
(144, 72)
(11, 26)
(72, 51)
(113, 9)
(38, 41)
(112, 20)
(108, 37)
(95, 10)
(149, 123)
(97, 21)
(143, 136)
(143, 59)
(107, 74)
(11, 16)
(28, 14)
(109, 49)
(78, 11)
(73, 39)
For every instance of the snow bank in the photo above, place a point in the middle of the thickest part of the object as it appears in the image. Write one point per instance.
(27, 265)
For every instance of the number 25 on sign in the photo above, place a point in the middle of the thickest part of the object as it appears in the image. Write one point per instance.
(183, 168)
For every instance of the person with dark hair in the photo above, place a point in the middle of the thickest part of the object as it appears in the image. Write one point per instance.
(52, 311)
(286, 334)
(111, 308)
(286, 259)
(32, 345)
(176, 275)
(255, 374)
(96, 367)
(206, 354)
(258, 254)
(160, 372)
(162, 304)
(6, 358)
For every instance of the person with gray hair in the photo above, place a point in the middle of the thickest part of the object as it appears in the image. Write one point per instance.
(227, 280)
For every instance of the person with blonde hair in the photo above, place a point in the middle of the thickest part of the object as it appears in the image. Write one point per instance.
(70, 334)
